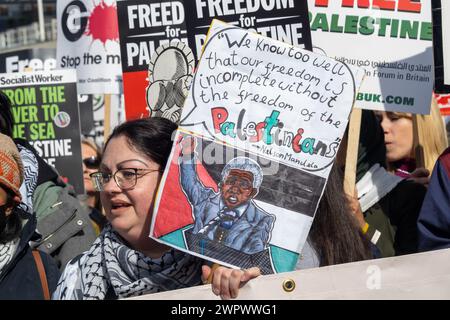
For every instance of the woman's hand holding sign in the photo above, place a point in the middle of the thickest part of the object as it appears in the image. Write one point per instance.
(226, 282)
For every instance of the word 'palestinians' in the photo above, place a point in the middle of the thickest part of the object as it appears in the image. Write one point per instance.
(270, 131)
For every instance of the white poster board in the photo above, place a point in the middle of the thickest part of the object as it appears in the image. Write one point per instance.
(88, 41)
(391, 40)
(278, 113)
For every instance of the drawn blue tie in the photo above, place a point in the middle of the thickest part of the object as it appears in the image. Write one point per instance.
(227, 218)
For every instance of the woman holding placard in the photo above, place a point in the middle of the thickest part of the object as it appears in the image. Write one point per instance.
(123, 261)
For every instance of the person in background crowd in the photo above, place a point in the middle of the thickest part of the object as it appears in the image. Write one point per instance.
(335, 235)
(401, 145)
(20, 277)
(447, 126)
(63, 223)
(434, 218)
(123, 261)
(388, 205)
(91, 156)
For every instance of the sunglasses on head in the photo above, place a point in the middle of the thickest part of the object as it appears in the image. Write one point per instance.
(92, 162)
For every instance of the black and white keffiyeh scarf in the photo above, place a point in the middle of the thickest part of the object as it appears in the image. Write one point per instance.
(31, 169)
(7, 252)
(111, 265)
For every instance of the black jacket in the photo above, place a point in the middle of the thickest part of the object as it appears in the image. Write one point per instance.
(395, 218)
(20, 278)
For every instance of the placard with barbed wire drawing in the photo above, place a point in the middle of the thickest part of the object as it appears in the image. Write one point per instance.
(157, 62)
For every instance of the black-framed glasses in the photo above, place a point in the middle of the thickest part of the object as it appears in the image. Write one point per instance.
(125, 178)
(92, 162)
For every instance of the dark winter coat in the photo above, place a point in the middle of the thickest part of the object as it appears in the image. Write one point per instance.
(20, 278)
(434, 219)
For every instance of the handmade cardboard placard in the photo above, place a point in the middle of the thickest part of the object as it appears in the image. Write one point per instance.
(260, 130)
(391, 40)
(45, 111)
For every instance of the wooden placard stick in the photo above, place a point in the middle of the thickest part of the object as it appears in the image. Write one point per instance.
(352, 151)
(107, 117)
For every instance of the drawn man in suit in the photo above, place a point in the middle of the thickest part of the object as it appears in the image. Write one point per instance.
(230, 216)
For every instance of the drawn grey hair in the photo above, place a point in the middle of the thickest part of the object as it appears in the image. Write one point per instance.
(244, 164)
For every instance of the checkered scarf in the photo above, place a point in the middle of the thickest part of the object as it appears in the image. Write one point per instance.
(111, 265)
(7, 252)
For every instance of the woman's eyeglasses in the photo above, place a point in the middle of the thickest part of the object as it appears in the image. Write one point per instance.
(92, 162)
(124, 178)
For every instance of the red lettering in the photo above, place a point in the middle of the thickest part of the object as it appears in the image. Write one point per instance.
(259, 132)
(403, 5)
(296, 141)
(384, 4)
(219, 116)
(350, 3)
(410, 6)
(321, 3)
